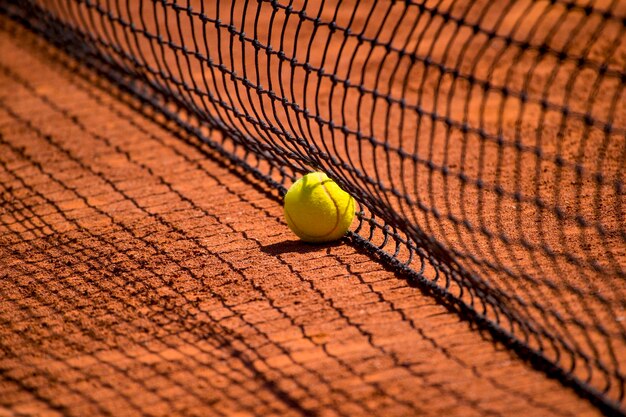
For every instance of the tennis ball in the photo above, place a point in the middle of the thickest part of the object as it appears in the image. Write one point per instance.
(317, 210)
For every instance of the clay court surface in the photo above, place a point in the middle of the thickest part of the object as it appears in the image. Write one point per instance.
(144, 275)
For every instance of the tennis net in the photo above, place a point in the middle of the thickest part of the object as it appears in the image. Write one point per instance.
(485, 141)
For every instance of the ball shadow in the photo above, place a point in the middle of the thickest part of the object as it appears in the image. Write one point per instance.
(297, 246)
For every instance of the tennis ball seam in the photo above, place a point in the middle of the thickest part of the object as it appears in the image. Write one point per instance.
(340, 215)
(337, 219)
(300, 232)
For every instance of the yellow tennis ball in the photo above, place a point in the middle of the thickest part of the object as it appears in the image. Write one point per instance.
(317, 210)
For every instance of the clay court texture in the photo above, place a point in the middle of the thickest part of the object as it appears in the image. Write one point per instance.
(145, 264)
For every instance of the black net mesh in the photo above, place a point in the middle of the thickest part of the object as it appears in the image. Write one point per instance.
(487, 136)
